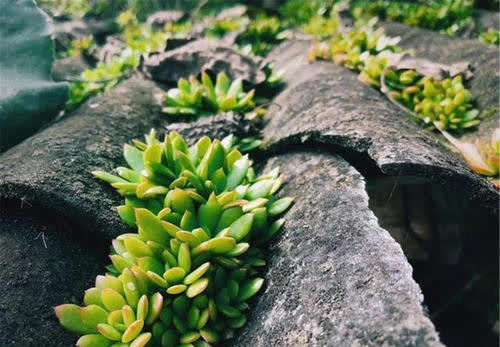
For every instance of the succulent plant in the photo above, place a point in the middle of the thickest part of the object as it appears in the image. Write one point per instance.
(261, 35)
(449, 16)
(203, 98)
(431, 101)
(179, 29)
(103, 77)
(185, 277)
(490, 36)
(445, 103)
(352, 48)
(138, 36)
(372, 69)
(322, 27)
(483, 157)
(298, 12)
(217, 28)
(80, 46)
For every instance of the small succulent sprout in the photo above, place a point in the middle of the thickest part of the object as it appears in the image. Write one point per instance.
(81, 46)
(261, 35)
(187, 274)
(372, 70)
(321, 27)
(352, 48)
(491, 36)
(140, 38)
(203, 98)
(217, 28)
(185, 99)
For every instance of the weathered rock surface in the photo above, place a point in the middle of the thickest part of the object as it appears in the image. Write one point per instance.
(488, 20)
(68, 68)
(65, 31)
(326, 104)
(232, 12)
(52, 168)
(196, 56)
(44, 261)
(216, 127)
(158, 19)
(334, 277)
(111, 49)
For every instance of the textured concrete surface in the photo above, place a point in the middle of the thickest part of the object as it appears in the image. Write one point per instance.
(324, 104)
(194, 57)
(334, 277)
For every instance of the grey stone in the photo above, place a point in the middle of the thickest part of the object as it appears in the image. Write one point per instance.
(232, 12)
(324, 104)
(112, 48)
(158, 19)
(194, 57)
(334, 277)
(488, 20)
(216, 127)
(44, 261)
(68, 68)
(65, 31)
(52, 168)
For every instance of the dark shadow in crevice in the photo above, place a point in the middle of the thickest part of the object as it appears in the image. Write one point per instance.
(360, 160)
(453, 248)
(451, 242)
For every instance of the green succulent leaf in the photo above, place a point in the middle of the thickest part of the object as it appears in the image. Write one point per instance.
(93, 340)
(69, 317)
(279, 206)
(250, 288)
(150, 227)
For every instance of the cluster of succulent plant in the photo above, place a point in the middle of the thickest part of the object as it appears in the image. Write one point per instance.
(217, 28)
(321, 27)
(103, 77)
(445, 103)
(450, 16)
(367, 51)
(490, 36)
(296, 13)
(140, 37)
(483, 157)
(261, 35)
(186, 275)
(203, 98)
(355, 47)
(178, 29)
(80, 46)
